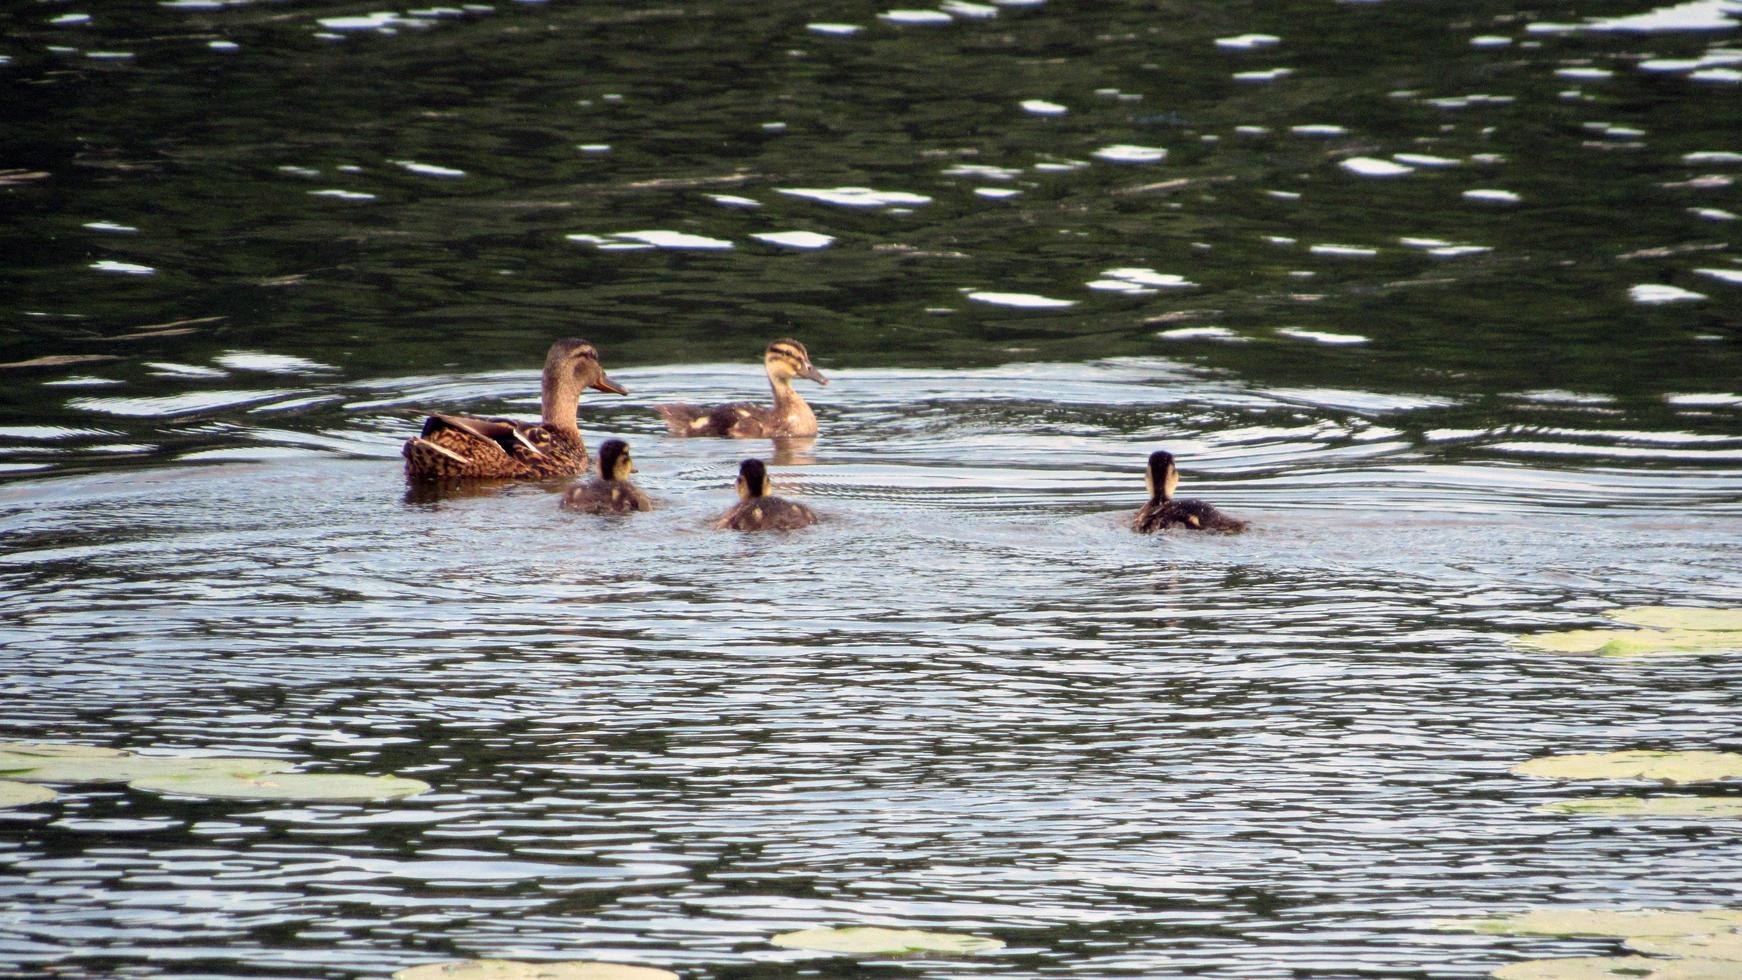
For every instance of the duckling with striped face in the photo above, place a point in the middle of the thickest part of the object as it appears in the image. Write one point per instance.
(610, 492)
(784, 360)
(756, 510)
(1163, 511)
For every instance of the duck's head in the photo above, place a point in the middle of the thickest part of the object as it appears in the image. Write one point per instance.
(1162, 476)
(614, 460)
(787, 359)
(752, 479)
(573, 361)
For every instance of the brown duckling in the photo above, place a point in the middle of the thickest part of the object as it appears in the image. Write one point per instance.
(1163, 511)
(756, 510)
(610, 492)
(462, 447)
(784, 360)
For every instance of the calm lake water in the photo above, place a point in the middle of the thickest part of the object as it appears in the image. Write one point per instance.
(1445, 298)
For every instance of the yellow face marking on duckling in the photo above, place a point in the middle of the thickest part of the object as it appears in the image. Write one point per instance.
(1172, 483)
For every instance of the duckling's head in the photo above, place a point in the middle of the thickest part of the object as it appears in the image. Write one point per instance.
(752, 479)
(614, 460)
(576, 362)
(1162, 476)
(787, 359)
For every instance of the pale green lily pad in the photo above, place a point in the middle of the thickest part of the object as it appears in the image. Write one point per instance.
(1671, 767)
(127, 768)
(517, 970)
(1725, 946)
(1623, 924)
(1716, 807)
(1617, 967)
(58, 750)
(23, 794)
(284, 786)
(871, 939)
(1679, 617)
(1632, 643)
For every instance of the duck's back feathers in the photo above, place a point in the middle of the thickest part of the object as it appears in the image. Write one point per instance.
(738, 421)
(767, 514)
(462, 447)
(606, 497)
(1159, 515)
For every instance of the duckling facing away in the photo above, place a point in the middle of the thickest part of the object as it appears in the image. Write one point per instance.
(756, 511)
(1163, 512)
(462, 447)
(784, 360)
(610, 492)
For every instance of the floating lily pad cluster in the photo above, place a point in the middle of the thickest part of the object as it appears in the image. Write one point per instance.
(520, 970)
(244, 778)
(1696, 945)
(862, 940)
(1658, 630)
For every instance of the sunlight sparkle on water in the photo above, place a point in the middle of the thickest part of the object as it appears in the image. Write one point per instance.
(1029, 301)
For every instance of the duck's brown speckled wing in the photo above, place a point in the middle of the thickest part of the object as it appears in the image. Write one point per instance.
(739, 421)
(606, 497)
(460, 447)
(767, 514)
(1192, 515)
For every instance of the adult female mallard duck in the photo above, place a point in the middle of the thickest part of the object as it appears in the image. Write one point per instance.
(610, 492)
(1163, 511)
(462, 447)
(756, 510)
(785, 359)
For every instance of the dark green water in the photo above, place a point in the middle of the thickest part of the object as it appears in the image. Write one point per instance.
(1450, 307)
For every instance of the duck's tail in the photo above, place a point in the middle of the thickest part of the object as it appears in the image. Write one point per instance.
(424, 460)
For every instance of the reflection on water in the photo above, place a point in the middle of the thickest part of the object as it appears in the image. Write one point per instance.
(1444, 299)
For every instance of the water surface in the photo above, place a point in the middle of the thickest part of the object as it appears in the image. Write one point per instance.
(1444, 299)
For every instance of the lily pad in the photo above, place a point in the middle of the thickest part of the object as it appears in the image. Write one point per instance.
(1670, 767)
(1624, 924)
(871, 939)
(285, 786)
(517, 970)
(23, 794)
(1717, 807)
(59, 750)
(1726, 946)
(1632, 643)
(127, 768)
(1679, 617)
(1616, 967)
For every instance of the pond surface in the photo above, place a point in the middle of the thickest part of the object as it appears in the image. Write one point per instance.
(1445, 298)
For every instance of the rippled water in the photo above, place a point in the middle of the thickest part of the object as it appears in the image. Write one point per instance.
(1445, 299)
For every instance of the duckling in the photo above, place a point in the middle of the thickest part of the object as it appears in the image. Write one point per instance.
(756, 511)
(1163, 512)
(610, 492)
(784, 360)
(462, 447)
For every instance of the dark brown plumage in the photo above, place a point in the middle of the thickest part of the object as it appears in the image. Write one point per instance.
(784, 360)
(461, 447)
(610, 492)
(1164, 512)
(756, 511)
